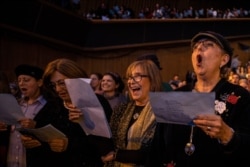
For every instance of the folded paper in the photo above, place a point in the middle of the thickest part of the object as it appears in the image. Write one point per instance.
(10, 111)
(83, 97)
(181, 107)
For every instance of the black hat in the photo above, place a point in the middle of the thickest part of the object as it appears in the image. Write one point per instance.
(218, 38)
(151, 57)
(30, 70)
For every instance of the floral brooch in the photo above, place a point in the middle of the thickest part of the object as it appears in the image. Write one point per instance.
(171, 164)
(220, 106)
(232, 98)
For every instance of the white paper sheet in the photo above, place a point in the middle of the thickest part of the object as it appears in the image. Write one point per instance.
(181, 107)
(84, 98)
(10, 111)
(45, 133)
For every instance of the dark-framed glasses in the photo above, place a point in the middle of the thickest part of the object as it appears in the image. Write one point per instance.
(205, 44)
(60, 83)
(136, 78)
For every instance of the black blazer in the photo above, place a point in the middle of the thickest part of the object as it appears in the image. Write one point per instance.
(81, 151)
(170, 139)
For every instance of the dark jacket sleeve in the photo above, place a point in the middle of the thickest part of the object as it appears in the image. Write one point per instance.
(4, 143)
(106, 106)
(102, 145)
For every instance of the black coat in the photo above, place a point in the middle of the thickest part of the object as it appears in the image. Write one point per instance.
(170, 139)
(82, 150)
(4, 142)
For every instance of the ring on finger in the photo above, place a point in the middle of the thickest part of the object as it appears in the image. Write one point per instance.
(208, 128)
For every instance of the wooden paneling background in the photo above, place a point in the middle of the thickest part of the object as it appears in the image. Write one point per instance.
(17, 48)
(15, 51)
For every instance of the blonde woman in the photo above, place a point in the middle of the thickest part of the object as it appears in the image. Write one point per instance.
(133, 124)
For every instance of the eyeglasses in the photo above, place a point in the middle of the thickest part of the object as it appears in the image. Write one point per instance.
(59, 83)
(136, 78)
(205, 44)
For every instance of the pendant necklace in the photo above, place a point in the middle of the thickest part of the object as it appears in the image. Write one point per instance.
(137, 112)
(190, 148)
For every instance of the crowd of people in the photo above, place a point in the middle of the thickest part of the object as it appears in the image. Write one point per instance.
(159, 11)
(220, 139)
(164, 12)
(240, 75)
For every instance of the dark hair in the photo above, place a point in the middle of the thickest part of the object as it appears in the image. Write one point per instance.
(118, 80)
(151, 57)
(99, 75)
(26, 69)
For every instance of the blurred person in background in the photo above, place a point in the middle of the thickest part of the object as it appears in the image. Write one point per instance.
(113, 87)
(96, 80)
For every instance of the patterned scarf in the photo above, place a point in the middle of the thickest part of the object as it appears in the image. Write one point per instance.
(137, 135)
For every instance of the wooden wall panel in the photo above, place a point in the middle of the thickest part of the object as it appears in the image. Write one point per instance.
(173, 60)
